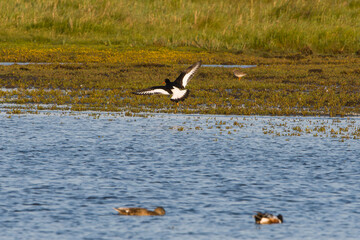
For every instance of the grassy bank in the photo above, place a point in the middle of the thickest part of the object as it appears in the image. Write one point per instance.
(282, 26)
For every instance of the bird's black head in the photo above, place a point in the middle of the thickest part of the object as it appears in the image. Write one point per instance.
(167, 81)
(280, 217)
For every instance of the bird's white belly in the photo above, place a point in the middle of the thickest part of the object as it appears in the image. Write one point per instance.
(178, 93)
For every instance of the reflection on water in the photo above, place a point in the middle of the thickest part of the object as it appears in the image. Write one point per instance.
(61, 175)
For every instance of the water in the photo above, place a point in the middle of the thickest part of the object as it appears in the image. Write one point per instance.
(19, 63)
(62, 174)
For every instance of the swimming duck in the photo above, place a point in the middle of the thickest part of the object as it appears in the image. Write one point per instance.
(159, 211)
(175, 88)
(239, 74)
(266, 218)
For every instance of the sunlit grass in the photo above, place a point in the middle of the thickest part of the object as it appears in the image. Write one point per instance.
(239, 26)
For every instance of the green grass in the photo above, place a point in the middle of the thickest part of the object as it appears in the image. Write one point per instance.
(282, 26)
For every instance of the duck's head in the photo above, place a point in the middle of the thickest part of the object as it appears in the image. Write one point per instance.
(167, 81)
(280, 217)
(160, 210)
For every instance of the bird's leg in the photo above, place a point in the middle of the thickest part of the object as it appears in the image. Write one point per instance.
(177, 104)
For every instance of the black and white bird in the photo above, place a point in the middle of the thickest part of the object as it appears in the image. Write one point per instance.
(176, 88)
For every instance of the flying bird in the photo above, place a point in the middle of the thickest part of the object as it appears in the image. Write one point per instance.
(176, 88)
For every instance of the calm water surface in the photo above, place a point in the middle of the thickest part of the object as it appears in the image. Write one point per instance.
(62, 174)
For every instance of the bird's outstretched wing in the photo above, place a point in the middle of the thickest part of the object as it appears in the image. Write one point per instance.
(185, 76)
(153, 90)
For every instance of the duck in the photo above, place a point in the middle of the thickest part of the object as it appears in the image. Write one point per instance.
(159, 211)
(176, 88)
(239, 74)
(267, 218)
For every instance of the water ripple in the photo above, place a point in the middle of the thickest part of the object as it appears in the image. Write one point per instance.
(61, 176)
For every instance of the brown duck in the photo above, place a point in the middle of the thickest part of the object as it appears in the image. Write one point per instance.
(159, 211)
(266, 218)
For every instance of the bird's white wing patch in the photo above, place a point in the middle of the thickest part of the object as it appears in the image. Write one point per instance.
(178, 94)
(152, 91)
(190, 74)
(264, 221)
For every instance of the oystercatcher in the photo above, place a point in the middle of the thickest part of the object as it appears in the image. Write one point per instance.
(266, 218)
(176, 88)
(159, 211)
(239, 74)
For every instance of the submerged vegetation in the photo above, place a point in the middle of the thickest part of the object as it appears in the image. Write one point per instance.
(227, 128)
(281, 26)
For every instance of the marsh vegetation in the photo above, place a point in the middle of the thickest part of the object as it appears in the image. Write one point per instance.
(309, 86)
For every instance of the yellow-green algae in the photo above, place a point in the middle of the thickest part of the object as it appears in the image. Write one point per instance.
(128, 56)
